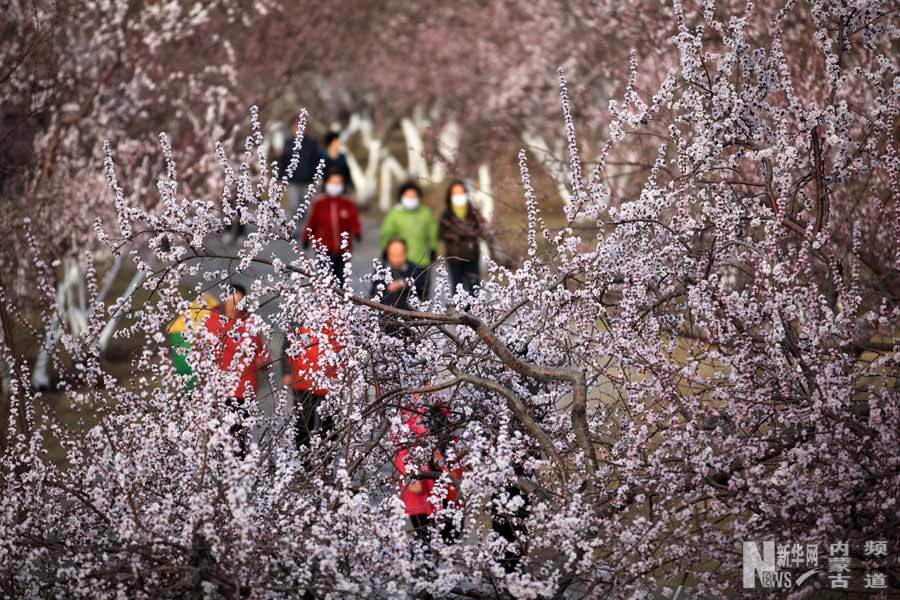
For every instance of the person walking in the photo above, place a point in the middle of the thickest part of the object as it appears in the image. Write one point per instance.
(333, 215)
(238, 348)
(396, 284)
(305, 171)
(509, 510)
(304, 372)
(431, 428)
(460, 229)
(335, 159)
(195, 320)
(415, 224)
(511, 505)
(396, 290)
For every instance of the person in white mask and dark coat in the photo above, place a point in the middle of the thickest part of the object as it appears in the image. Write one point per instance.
(461, 228)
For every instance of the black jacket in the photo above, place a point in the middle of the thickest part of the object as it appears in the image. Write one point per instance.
(460, 236)
(399, 298)
(339, 164)
(308, 160)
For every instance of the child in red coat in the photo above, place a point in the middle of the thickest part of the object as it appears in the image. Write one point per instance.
(417, 481)
(237, 347)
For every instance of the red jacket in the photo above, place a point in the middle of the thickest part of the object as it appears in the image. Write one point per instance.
(232, 335)
(306, 364)
(418, 504)
(330, 217)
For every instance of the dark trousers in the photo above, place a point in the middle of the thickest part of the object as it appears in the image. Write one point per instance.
(423, 525)
(463, 272)
(238, 230)
(511, 527)
(422, 279)
(238, 431)
(337, 267)
(307, 419)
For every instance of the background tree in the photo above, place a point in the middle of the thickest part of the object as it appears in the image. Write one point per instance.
(668, 373)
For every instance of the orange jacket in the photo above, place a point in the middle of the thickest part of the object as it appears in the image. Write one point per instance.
(230, 336)
(307, 364)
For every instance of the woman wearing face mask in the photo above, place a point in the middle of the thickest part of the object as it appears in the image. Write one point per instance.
(460, 229)
(334, 214)
(415, 224)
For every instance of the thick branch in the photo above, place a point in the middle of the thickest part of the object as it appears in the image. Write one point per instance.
(518, 407)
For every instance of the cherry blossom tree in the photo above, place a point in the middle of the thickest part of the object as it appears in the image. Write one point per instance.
(73, 69)
(709, 360)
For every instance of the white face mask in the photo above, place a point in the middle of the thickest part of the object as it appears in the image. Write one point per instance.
(409, 203)
(459, 199)
(334, 189)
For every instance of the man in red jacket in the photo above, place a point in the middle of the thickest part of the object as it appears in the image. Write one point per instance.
(304, 373)
(334, 214)
(238, 348)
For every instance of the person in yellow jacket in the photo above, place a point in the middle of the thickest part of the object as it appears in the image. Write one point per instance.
(195, 318)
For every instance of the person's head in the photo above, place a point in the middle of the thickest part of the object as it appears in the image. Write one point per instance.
(333, 185)
(395, 252)
(410, 195)
(439, 427)
(233, 299)
(457, 194)
(333, 143)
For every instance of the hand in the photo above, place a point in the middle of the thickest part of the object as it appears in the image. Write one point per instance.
(397, 284)
(287, 380)
(416, 487)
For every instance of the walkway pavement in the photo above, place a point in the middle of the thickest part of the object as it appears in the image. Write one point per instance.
(363, 254)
